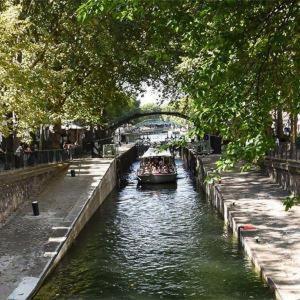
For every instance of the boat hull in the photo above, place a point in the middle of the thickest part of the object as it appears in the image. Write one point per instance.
(157, 178)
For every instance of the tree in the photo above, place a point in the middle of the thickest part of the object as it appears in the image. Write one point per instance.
(235, 60)
(56, 70)
(11, 42)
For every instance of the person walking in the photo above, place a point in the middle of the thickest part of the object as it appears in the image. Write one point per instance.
(2, 159)
(19, 156)
(28, 157)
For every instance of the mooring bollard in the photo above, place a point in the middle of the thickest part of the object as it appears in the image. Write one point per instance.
(72, 173)
(35, 208)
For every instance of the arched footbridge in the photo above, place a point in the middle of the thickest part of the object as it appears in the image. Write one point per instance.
(135, 115)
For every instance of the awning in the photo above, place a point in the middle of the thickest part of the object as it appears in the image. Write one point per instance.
(71, 126)
(154, 152)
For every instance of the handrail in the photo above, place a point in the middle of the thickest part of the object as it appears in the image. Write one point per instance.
(285, 151)
(11, 161)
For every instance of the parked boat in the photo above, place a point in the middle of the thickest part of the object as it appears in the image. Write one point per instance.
(157, 167)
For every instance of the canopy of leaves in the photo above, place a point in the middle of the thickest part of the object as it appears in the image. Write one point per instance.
(237, 61)
(54, 69)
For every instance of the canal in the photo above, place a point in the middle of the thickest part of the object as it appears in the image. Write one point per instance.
(159, 242)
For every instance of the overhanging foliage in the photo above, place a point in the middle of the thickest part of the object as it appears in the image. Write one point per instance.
(236, 61)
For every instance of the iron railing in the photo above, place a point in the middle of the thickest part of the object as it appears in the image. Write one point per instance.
(285, 151)
(12, 161)
(97, 146)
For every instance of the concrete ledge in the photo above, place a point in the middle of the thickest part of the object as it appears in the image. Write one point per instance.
(24, 289)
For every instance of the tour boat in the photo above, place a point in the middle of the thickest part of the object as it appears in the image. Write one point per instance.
(157, 166)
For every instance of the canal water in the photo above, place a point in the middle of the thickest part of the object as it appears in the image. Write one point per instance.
(159, 242)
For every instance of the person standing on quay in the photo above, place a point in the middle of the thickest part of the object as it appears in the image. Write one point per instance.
(19, 156)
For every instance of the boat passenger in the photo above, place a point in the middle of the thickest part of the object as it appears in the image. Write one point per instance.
(154, 169)
(147, 170)
(166, 169)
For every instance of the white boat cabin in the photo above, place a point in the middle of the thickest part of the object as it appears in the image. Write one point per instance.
(156, 161)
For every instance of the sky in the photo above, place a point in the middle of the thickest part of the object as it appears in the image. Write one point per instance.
(151, 95)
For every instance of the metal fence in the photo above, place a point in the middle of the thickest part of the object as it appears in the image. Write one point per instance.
(286, 151)
(110, 150)
(11, 161)
(97, 146)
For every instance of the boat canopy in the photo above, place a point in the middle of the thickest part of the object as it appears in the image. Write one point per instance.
(154, 152)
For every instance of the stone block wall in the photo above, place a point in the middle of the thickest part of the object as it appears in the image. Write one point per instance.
(126, 159)
(19, 186)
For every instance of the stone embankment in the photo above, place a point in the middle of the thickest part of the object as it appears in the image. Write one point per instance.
(251, 205)
(31, 246)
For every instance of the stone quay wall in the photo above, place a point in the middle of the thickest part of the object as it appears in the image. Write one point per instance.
(195, 164)
(19, 186)
(284, 172)
(125, 160)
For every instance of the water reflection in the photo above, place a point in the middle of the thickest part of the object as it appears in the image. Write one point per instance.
(155, 242)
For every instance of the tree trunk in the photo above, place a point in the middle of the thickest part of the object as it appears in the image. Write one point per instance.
(42, 137)
(279, 125)
(10, 142)
(294, 121)
(55, 136)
